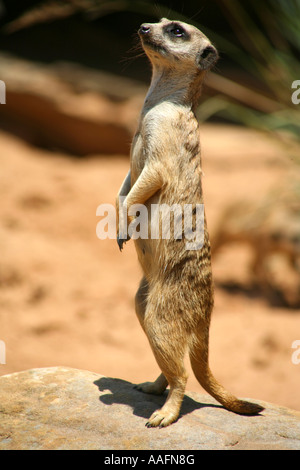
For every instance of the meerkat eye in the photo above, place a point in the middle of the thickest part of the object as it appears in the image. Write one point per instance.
(177, 31)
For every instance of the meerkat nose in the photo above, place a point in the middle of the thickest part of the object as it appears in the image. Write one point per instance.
(144, 29)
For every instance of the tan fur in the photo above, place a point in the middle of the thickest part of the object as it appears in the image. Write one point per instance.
(175, 297)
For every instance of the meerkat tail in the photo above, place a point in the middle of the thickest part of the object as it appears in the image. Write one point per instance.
(199, 363)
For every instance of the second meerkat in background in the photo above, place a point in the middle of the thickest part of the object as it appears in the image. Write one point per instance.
(175, 298)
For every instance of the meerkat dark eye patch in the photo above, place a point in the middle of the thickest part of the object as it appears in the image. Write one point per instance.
(178, 32)
(175, 30)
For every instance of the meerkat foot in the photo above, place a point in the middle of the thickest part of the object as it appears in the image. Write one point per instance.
(150, 387)
(162, 418)
(155, 388)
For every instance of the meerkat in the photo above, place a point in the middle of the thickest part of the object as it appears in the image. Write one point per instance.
(175, 297)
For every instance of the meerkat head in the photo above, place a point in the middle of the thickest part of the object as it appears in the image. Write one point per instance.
(177, 44)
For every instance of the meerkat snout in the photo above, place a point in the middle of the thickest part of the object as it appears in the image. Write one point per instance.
(144, 29)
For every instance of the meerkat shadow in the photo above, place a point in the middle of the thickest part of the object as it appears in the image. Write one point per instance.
(143, 404)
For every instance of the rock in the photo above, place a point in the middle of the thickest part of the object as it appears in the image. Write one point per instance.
(61, 408)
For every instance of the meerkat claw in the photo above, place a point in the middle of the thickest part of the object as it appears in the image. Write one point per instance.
(161, 419)
(120, 242)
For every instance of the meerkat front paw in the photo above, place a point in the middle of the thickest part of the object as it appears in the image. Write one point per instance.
(122, 234)
(121, 239)
(122, 226)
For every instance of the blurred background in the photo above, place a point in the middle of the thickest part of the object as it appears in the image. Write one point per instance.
(75, 79)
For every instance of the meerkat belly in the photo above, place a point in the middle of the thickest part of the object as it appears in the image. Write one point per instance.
(146, 241)
(179, 153)
(162, 238)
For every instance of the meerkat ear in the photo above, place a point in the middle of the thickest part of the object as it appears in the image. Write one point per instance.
(207, 57)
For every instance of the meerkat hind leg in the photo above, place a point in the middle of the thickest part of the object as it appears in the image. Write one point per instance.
(171, 408)
(169, 356)
(159, 386)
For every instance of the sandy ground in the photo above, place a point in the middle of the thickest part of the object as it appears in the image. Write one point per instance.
(66, 297)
